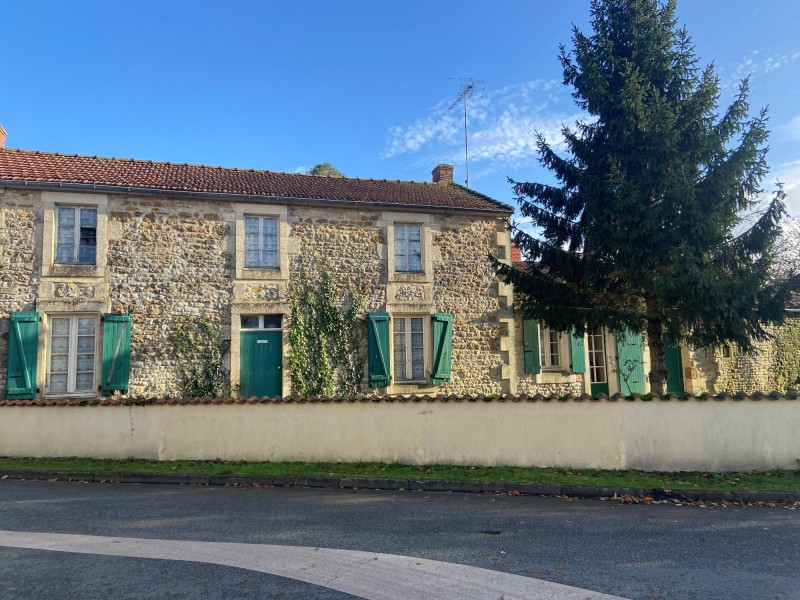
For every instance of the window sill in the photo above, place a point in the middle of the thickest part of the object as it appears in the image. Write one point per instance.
(69, 396)
(409, 276)
(254, 273)
(73, 270)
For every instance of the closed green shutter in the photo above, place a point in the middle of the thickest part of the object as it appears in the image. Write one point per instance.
(530, 346)
(116, 354)
(577, 352)
(630, 360)
(442, 348)
(378, 350)
(23, 354)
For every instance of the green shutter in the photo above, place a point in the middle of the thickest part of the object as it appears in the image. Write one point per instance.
(530, 346)
(442, 348)
(630, 363)
(116, 354)
(378, 349)
(674, 364)
(577, 352)
(23, 354)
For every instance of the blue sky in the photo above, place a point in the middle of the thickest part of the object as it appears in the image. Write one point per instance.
(363, 85)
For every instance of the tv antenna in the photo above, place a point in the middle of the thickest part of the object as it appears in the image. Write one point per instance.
(468, 87)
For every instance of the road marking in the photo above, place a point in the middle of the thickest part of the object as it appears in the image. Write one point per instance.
(364, 574)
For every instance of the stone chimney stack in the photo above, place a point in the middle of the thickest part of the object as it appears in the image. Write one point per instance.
(4, 135)
(516, 253)
(443, 174)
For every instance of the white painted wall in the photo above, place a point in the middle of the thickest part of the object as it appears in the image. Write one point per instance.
(691, 435)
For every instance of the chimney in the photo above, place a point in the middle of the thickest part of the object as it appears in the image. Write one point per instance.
(516, 253)
(443, 174)
(3, 136)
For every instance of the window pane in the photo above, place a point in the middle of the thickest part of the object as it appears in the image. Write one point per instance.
(84, 382)
(58, 363)
(399, 232)
(85, 343)
(251, 258)
(86, 326)
(87, 254)
(400, 263)
(58, 382)
(414, 233)
(416, 340)
(414, 256)
(89, 217)
(60, 345)
(86, 363)
(66, 216)
(272, 321)
(270, 236)
(249, 321)
(60, 326)
(416, 325)
(270, 260)
(251, 225)
(399, 324)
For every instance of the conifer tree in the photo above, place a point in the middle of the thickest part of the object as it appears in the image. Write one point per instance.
(645, 227)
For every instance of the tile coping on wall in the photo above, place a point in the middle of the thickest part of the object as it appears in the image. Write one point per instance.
(427, 485)
(401, 398)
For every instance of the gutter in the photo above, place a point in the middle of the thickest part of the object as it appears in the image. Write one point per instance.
(114, 189)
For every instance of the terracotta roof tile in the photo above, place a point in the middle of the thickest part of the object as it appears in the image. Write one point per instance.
(44, 167)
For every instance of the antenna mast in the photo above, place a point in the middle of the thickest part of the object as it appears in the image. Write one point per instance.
(468, 87)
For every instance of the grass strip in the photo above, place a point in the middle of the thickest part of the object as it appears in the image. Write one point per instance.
(757, 480)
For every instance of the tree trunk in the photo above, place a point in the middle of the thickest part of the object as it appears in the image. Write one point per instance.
(655, 343)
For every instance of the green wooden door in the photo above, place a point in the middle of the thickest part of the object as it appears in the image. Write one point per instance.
(630, 363)
(672, 357)
(260, 358)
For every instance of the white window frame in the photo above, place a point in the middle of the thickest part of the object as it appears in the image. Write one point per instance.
(261, 319)
(406, 268)
(76, 236)
(51, 201)
(426, 333)
(591, 337)
(274, 211)
(545, 349)
(261, 249)
(72, 355)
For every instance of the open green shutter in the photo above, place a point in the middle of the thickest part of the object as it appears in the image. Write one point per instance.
(577, 352)
(378, 349)
(630, 363)
(116, 354)
(530, 346)
(442, 348)
(23, 354)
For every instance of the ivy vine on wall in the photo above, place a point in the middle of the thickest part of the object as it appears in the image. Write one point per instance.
(327, 334)
(199, 347)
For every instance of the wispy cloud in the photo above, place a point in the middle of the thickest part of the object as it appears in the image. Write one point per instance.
(758, 62)
(502, 127)
(791, 129)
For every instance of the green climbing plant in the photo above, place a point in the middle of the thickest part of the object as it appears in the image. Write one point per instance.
(199, 347)
(327, 334)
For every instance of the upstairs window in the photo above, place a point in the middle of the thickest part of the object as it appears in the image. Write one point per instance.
(261, 243)
(76, 235)
(408, 248)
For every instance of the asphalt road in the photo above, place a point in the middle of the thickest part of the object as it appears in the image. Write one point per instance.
(647, 552)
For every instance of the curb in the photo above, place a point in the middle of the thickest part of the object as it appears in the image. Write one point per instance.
(426, 485)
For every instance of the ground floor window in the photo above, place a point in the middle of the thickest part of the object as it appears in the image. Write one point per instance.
(550, 348)
(73, 346)
(409, 348)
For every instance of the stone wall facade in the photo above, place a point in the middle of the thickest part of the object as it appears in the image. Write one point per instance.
(162, 258)
(773, 365)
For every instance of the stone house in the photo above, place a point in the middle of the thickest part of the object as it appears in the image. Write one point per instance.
(101, 257)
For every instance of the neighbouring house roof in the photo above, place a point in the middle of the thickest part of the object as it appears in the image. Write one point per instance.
(46, 169)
